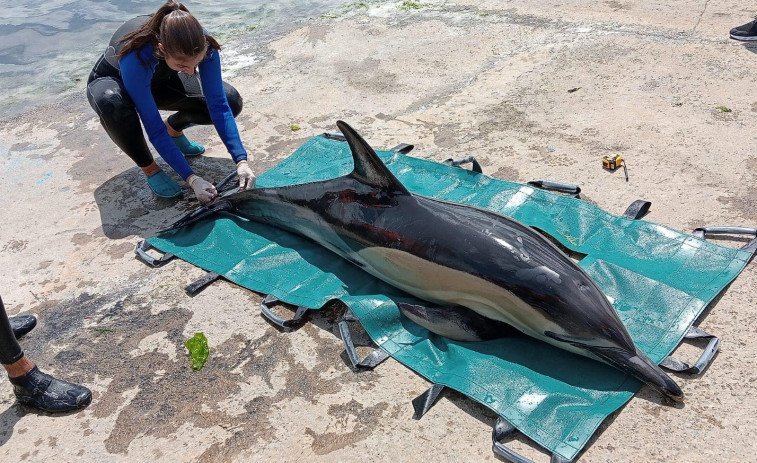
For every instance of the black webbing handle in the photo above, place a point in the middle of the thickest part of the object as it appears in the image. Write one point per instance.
(637, 209)
(334, 136)
(141, 252)
(502, 429)
(425, 401)
(201, 283)
(278, 321)
(703, 232)
(556, 186)
(476, 167)
(372, 360)
(402, 148)
(703, 361)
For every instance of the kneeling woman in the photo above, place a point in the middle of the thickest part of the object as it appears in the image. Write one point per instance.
(166, 61)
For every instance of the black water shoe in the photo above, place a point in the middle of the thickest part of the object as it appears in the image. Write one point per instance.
(22, 324)
(42, 391)
(746, 32)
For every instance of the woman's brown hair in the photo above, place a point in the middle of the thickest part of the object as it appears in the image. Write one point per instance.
(174, 27)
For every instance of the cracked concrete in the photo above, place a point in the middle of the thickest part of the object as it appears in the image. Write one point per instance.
(452, 78)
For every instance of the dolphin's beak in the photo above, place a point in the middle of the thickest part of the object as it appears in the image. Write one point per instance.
(643, 369)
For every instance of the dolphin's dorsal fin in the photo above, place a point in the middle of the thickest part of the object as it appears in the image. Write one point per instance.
(369, 168)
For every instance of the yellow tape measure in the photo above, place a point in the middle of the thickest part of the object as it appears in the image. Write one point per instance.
(614, 161)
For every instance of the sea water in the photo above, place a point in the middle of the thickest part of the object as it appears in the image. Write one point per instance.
(47, 48)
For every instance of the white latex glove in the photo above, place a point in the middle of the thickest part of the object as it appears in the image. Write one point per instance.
(246, 176)
(204, 190)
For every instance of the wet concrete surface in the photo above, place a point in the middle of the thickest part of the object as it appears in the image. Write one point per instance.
(453, 79)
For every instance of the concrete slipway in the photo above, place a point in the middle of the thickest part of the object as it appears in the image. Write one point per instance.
(487, 78)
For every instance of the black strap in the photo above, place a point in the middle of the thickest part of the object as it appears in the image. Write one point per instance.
(476, 167)
(425, 401)
(569, 188)
(637, 209)
(502, 429)
(226, 180)
(200, 284)
(198, 214)
(372, 360)
(703, 361)
(402, 148)
(278, 321)
(141, 252)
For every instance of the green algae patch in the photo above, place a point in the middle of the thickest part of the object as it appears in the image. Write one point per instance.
(724, 109)
(102, 331)
(198, 350)
(294, 127)
(408, 5)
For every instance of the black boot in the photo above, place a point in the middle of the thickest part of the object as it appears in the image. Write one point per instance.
(44, 392)
(22, 324)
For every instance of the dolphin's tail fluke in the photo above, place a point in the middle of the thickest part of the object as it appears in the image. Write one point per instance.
(200, 213)
(642, 368)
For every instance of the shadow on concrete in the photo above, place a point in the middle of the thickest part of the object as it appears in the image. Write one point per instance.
(128, 206)
(8, 420)
(751, 47)
(13, 415)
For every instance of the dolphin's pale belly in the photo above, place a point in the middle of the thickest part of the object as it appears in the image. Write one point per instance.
(442, 285)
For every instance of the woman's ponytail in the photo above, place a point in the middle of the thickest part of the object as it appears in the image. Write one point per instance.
(174, 27)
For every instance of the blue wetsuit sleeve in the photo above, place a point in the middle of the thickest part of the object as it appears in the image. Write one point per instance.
(218, 105)
(136, 78)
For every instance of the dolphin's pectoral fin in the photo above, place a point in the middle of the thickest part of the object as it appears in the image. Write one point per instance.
(456, 322)
(572, 340)
(369, 168)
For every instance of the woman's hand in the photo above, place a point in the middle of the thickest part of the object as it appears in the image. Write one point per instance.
(204, 190)
(246, 176)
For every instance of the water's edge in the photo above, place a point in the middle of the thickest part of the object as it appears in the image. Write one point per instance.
(39, 64)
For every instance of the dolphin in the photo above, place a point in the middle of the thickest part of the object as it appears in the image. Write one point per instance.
(481, 273)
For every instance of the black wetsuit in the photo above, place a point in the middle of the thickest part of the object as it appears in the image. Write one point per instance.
(10, 351)
(171, 90)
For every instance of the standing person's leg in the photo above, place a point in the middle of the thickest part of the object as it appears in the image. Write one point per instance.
(118, 115)
(746, 32)
(10, 350)
(22, 324)
(31, 386)
(182, 93)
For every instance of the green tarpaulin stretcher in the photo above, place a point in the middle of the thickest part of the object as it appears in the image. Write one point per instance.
(659, 280)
